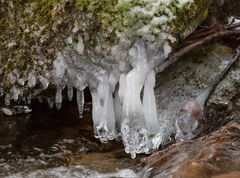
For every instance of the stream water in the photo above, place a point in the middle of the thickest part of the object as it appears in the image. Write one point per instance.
(51, 143)
(48, 143)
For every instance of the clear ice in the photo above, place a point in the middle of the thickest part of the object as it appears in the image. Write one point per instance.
(123, 99)
(80, 101)
(103, 110)
(137, 126)
(58, 98)
(121, 85)
(187, 127)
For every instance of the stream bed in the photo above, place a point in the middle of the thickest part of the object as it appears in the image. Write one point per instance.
(51, 143)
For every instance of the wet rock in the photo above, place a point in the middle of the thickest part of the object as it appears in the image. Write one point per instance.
(32, 38)
(187, 79)
(229, 175)
(214, 155)
(11, 129)
(7, 111)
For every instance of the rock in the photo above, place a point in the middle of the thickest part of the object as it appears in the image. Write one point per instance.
(221, 10)
(7, 111)
(77, 44)
(214, 155)
(209, 155)
(186, 79)
(12, 128)
(230, 175)
(33, 37)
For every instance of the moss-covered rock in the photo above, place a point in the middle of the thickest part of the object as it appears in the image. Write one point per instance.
(33, 32)
(221, 10)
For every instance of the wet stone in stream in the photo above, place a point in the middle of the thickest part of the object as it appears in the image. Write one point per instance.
(216, 155)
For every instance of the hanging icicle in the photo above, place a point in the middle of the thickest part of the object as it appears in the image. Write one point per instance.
(58, 98)
(80, 102)
(70, 93)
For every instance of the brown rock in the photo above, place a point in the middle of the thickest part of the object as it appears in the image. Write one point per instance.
(230, 175)
(216, 154)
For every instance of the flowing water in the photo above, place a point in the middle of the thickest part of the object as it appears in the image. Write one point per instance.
(51, 143)
(58, 143)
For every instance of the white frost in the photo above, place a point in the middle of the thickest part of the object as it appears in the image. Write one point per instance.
(80, 45)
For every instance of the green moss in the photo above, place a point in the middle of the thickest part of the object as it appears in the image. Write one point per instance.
(26, 23)
(189, 17)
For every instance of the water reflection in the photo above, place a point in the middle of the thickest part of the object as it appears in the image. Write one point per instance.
(51, 143)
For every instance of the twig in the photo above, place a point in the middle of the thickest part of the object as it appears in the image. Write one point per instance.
(172, 59)
(213, 86)
(206, 32)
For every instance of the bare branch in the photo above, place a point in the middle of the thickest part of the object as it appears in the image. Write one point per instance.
(173, 58)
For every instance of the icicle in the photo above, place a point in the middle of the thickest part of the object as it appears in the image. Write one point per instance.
(117, 109)
(135, 128)
(134, 133)
(80, 102)
(103, 92)
(122, 87)
(50, 102)
(110, 117)
(70, 93)
(15, 92)
(29, 100)
(95, 111)
(40, 100)
(149, 104)
(58, 98)
(103, 111)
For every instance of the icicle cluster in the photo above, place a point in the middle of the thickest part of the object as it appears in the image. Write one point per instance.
(139, 118)
(123, 97)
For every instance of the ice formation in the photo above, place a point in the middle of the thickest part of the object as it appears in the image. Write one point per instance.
(137, 125)
(118, 66)
(80, 101)
(189, 124)
(123, 98)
